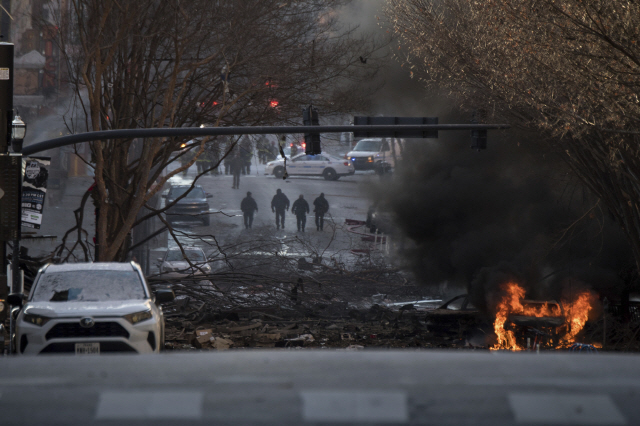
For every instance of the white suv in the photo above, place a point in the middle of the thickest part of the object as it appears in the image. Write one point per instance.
(375, 154)
(89, 309)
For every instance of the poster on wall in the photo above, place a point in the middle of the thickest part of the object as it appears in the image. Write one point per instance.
(34, 189)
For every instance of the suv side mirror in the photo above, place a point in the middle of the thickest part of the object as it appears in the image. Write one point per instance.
(16, 299)
(164, 295)
(15, 311)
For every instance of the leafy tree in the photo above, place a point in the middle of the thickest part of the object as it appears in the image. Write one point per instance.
(176, 63)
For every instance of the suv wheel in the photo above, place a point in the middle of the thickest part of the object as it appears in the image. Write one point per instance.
(278, 172)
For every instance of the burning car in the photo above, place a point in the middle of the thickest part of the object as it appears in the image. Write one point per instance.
(524, 324)
(538, 323)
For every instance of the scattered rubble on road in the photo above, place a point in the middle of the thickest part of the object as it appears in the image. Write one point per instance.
(318, 316)
(262, 296)
(381, 328)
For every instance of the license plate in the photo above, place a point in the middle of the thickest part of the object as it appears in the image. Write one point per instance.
(87, 348)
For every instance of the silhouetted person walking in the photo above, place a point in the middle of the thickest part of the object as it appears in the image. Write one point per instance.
(321, 206)
(248, 207)
(300, 208)
(279, 204)
(236, 170)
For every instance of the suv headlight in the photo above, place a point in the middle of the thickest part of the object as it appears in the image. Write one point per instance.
(38, 320)
(138, 317)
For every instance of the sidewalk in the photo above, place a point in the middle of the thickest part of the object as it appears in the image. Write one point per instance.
(58, 218)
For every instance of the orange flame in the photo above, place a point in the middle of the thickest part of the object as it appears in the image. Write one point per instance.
(509, 303)
(575, 315)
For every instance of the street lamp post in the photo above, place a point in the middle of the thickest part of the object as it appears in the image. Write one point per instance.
(18, 131)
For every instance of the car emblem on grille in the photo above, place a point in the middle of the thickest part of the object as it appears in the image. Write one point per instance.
(87, 322)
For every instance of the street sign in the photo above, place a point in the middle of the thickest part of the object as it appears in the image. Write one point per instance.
(34, 190)
(395, 133)
(10, 177)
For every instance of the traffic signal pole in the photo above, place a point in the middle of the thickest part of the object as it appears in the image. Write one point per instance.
(240, 130)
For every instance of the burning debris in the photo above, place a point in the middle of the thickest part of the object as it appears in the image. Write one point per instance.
(519, 323)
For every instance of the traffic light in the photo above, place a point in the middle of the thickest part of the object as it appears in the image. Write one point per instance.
(479, 139)
(312, 140)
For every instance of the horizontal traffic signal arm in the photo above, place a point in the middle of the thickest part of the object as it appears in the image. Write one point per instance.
(239, 130)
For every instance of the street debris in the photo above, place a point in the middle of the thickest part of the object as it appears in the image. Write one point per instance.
(324, 315)
(263, 295)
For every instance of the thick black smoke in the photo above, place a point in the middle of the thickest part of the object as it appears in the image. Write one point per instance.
(477, 219)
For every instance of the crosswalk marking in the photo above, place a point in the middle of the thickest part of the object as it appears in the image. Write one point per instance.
(561, 409)
(355, 406)
(114, 405)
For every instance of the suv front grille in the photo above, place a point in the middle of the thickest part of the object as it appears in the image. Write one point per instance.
(362, 162)
(100, 329)
(69, 347)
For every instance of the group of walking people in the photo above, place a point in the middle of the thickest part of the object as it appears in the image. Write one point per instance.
(280, 203)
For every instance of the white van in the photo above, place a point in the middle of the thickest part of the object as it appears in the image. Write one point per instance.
(381, 155)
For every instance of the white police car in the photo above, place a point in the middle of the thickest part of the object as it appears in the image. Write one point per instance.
(325, 165)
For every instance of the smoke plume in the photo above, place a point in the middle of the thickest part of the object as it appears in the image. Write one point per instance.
(512, 212)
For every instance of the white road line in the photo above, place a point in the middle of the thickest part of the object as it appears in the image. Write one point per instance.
(251, 379)
(149, 405)
(355, 406)
(561, 409)
(34, 381)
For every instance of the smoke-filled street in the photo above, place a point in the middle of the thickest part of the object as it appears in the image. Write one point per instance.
(313, 212)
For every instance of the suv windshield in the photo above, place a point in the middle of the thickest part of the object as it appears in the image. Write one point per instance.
(175, 192)
(368, 145)
(193, 255)
(88, 286)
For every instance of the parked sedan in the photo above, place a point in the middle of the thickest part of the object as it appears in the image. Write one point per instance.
(175, 264)
(193, 206)
(91, 308)
(325, 165)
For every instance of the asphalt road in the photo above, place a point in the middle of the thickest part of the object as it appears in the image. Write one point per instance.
(322, 387)
(349, 198)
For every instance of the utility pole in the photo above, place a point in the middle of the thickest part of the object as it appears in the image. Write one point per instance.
(10, 173)
(5, 21)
